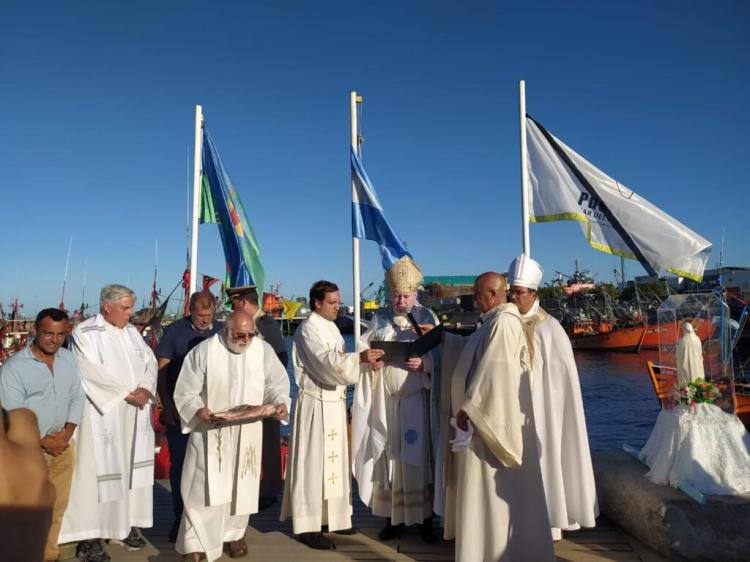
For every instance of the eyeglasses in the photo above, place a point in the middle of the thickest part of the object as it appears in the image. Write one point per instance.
(519, 292)
(244, 335)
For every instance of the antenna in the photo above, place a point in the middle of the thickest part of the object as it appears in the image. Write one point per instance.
(65, 277)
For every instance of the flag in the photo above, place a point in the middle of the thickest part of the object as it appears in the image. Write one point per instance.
(208, 281)
(290, 308)
(368, 220)
(614, 219)
(220, 204)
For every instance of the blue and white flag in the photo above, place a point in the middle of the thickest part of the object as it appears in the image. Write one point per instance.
(368, 219)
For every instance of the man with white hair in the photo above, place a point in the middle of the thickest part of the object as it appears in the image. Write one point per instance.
(394, 470)
(558, 407)
(114, 473)
(237, 371)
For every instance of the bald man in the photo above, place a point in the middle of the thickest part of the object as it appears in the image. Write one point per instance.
(178, 339)
(221, 475)
(495, 507)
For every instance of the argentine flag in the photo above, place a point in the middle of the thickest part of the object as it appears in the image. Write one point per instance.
(368, 220)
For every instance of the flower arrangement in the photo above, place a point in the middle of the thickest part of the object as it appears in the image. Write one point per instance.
(699, 391)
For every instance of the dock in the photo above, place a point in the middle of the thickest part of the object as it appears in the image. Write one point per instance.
(269, 539)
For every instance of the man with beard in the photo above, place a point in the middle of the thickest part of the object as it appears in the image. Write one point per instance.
(180, 337)
(234, 371)
(393, 465)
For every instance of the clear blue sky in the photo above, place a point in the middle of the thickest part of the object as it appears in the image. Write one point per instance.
(97, 103)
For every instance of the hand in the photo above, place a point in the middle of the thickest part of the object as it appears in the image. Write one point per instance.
(462, 420)
(55, 443)
(282, 414)
(426, 327)
(139, 398)
(372, 357)
(462, 440)
(26, 494)
(206, 417)
(414, 364)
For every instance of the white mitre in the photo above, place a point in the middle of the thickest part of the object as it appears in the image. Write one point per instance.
(525, 272)
(404, 276)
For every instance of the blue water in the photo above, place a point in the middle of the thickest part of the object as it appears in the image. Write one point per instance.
(618, 397)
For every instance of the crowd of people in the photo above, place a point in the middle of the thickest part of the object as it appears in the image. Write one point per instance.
(482, 437)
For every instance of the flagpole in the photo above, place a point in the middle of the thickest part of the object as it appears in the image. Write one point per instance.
(354, 99)
(196, 197)
(524, 168)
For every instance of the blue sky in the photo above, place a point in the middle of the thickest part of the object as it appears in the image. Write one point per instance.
(97, 103)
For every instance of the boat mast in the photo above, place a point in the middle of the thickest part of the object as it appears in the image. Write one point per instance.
(196, 197)
(65, 277)
(354, 100)
(524, 168)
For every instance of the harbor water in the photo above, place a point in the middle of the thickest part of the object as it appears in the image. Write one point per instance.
(618, 397)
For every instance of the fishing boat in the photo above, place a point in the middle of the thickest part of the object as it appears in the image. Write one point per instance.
(606, 337)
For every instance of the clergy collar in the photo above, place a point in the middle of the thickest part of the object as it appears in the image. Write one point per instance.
(532, 311)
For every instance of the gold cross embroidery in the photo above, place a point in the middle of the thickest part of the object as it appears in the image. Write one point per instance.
(332, 479)
(332, 457)
(332, 435)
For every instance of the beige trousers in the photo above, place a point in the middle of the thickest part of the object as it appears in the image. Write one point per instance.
(61, 475)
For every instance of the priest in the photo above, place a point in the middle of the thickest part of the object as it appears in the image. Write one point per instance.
(112, 489)
(318, 480)
(495, 505)
(390, 414)
(558, 408)
(221, 474)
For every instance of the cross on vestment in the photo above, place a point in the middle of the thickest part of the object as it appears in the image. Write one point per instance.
(332, 435)
(332, 479)
(107, 438)
(333, 456)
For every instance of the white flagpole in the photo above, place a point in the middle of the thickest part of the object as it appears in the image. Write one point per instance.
(354, 100)
(197, 157)
(524, 169)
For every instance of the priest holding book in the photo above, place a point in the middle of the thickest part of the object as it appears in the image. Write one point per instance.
(390, 414)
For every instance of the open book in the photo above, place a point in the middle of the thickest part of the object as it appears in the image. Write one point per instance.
(402, 350)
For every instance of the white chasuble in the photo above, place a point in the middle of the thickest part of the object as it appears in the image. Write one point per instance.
(318, 482)
(560, 426)
(498, 512)
(221, 473)
(393, 463)
(114, 472)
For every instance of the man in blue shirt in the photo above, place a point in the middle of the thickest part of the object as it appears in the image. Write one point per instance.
(180, 337)
(44, 377)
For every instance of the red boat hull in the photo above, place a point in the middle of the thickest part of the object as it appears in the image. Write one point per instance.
(619, 339)
(668, 336)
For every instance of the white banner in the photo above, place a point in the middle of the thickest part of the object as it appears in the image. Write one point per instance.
(608, 212)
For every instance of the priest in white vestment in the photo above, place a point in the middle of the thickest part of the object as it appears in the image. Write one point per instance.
(393, 465)
(221, 474)
(114, 472)
(495, 505)
(558, 408)
(317, 489)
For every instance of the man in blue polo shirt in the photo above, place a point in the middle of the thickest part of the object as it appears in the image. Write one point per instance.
(180, 337)
(44, 377)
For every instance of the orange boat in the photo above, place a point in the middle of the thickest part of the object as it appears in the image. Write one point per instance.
(668, 336)
(606, 337)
